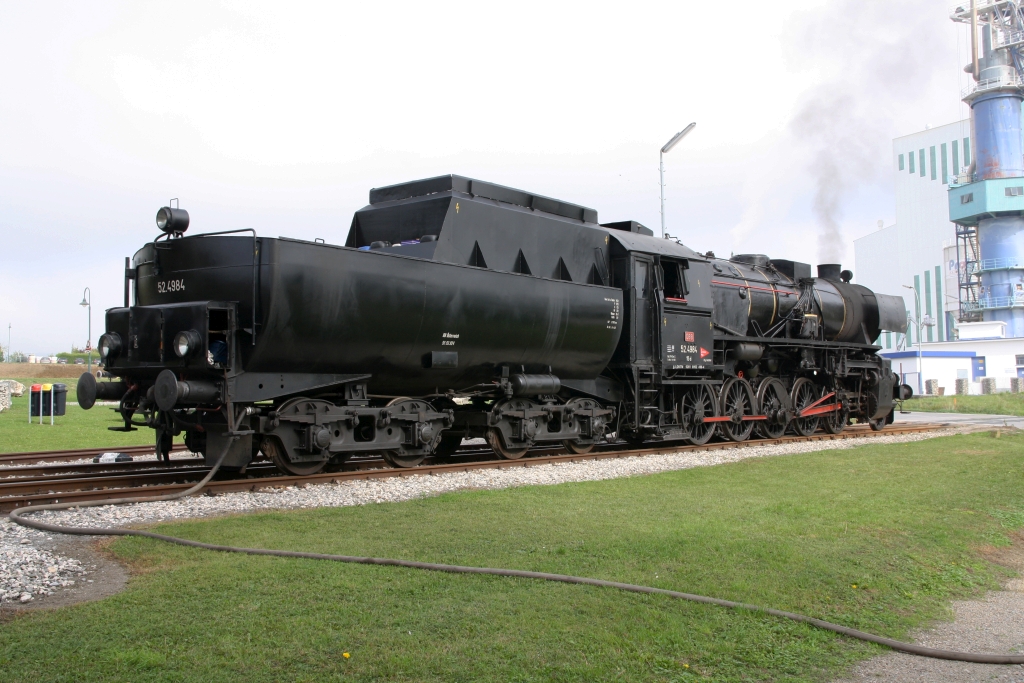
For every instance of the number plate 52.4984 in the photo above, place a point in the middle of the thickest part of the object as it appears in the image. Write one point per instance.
(166, 286)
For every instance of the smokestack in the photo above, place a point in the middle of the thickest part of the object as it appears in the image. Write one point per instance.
(830, 271)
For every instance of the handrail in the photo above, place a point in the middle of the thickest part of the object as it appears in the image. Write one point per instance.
(986, 302)
(987, 84)
(1000, 263)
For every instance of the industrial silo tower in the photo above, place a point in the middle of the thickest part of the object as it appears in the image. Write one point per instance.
(987, 201)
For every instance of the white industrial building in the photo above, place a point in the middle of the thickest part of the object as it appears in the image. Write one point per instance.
(983, 352)
(919, 251)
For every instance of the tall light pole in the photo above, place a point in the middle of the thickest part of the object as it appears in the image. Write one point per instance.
(8, 359)
(661, 166)
(87, 302)
(920, 354)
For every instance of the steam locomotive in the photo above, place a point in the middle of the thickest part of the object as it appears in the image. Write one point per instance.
(459, 309)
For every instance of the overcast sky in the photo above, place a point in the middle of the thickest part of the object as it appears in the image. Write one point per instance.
(282, 116)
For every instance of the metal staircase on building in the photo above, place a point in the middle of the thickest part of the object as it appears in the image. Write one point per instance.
(968, 273)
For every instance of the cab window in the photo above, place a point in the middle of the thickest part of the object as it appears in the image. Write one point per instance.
(674, 277)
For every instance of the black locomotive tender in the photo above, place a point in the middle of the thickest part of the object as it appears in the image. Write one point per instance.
(458, 309)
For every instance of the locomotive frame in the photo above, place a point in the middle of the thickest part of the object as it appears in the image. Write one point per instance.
(459, 308)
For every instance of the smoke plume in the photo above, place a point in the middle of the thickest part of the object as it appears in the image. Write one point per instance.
(846, 148)
(886, 56)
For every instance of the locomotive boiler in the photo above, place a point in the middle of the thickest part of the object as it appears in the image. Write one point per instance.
(458, 308)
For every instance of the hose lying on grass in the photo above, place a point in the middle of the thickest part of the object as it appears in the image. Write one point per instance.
(17, 516)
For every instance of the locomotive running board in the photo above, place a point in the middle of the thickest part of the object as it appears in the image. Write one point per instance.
(250, 387)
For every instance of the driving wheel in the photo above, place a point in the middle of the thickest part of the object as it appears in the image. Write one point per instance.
(803, 394)
(737, 400)
(775, 406)
(835, 421)
(698, 403)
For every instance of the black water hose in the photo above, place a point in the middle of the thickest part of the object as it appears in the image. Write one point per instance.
(17, 517)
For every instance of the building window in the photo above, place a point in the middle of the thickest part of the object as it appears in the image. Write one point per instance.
(967, 198)
(920, 161)
(940, 319)
(967, 151)
(901, 162)
(912, 169)
(1015, 191)
(956, 157)
(945, 166)
(931, 157)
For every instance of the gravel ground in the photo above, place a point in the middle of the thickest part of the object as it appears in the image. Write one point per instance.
(27, 570)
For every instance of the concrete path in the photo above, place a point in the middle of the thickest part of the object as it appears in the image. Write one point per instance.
(994, 624)
(961, 419)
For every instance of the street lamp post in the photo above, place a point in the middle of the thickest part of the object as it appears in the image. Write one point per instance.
(920, 354)
(87, 302)
(661, 166)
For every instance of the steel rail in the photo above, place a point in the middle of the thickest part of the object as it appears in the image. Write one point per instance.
(122, 475)
(370, 469)
(32, 457)
(101, 482)
(40, 471)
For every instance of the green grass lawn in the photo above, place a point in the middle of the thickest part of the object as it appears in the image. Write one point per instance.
(992, 404)
(879, 538)
(77, 429)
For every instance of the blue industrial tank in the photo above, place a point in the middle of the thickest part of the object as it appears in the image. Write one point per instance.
(997, 136)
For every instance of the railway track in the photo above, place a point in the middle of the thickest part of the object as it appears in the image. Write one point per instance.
(51, 470)
(33, 457)
(45, 470)
(61, 485)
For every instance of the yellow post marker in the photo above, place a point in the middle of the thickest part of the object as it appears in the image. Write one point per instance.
(47, 388)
